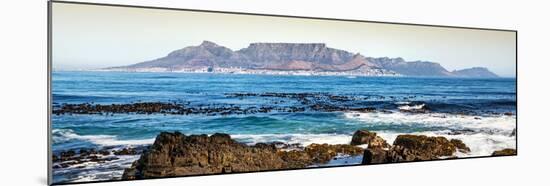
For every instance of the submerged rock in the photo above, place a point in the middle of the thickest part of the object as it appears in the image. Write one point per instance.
(323, 153)
(126, 151)
(70, 158)
(175, 154)
(504, 152)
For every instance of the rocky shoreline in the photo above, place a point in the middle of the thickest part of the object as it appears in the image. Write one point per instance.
(65, 159)
(176, 154)
(273, 102)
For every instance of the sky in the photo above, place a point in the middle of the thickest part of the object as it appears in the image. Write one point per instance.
(92, 36)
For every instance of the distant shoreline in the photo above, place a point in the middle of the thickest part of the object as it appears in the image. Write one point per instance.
(279, 74)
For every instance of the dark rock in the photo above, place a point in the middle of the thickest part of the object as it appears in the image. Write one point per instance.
(365, 137)
(67, 155)
(460, 146)
(419, 147)
(104, 152)
(126, 151)
(414, 148)
(322, 153)
(175, 154)
(375, 156)
(504, 152)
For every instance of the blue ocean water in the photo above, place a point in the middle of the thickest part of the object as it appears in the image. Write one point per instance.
(455, 104)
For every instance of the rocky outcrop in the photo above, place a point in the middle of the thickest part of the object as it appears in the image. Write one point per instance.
(292, 57)
(370, 138)
(419, 147)
(82, 156)
(505, 152)
(175, 154)
(415, 148)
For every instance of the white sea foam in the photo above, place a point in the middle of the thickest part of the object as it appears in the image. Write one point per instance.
(480, 144)
(402, 102)
(414, 107)
(498, 123)
(490, 133)
(62, 135)
(93, 171)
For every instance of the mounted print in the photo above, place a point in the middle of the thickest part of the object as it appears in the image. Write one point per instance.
(148, 92)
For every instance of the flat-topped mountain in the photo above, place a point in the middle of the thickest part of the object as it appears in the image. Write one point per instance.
(279, 58)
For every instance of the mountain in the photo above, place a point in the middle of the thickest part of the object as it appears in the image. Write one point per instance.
(414, 68)
(291, 57)
(475, 72)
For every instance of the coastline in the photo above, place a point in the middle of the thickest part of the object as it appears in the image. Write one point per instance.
(282, 73)
(366, 148)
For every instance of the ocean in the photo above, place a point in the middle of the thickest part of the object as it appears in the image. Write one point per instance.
(480, 112)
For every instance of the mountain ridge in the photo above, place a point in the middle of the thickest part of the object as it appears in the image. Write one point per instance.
(317, 58)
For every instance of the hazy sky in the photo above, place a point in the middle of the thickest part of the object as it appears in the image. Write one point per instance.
(89, 36)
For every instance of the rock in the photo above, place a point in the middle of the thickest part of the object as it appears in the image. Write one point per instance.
(504, 152)
(322, 153)
(69, 158)
(175, 154)
(414, 148)
(365, 137)
(104, 152)
(375, 156)
(67, 155)
(420, 147)
(126, 151)
(508, 114)
(460, 146)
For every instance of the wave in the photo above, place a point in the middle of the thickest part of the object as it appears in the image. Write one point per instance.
(413, 107)
(505, 124)
(402, 103)
(66, 135)
(484, 134)
(94, 171)
(480, 144)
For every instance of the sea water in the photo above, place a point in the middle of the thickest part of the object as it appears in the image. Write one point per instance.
(455, 104)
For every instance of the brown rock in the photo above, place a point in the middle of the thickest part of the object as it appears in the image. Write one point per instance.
(175, 154)
(414, 148)
(504, 152)
(322, 153)
(460, 146)
(365, 137)
(375, 156)
(125, 151)
(424, 145)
